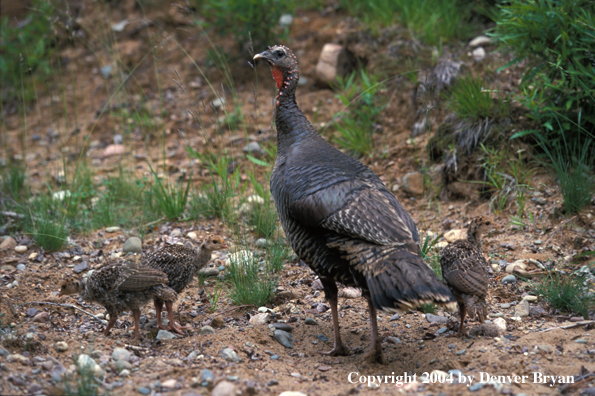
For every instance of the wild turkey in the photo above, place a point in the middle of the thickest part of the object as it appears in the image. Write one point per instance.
(465, 271)
(121, 286)
(180, 263)
(340, 218)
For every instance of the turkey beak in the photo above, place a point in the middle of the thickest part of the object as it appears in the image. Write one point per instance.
(263, 55)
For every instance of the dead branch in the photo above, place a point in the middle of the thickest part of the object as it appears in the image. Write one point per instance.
(577, 324)
(67, 306)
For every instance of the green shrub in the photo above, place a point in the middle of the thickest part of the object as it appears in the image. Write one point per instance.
(361, 99)
(566, 293)
(26, 49)
(245, 19)
(172, 198)
(46, 222)
(253, 282)
(433, 20)
(470, 99)
(556, 38)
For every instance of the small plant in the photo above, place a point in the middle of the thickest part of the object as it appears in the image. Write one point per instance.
(13, 183)
(428, 308)
(214, 297)
(573, 165)
(566, 293)
(356, 127)
(172, 199)
(469, 99)
(46, 223)
(429, 254)
(81, 383)
(277, 253)
(257, 20)
(252, 280)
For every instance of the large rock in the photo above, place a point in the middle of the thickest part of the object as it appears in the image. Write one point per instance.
(522, 309)
(334, 61)
(413, 183)
(224, 388)
(454, 235)
(8, 244)
(133, 245)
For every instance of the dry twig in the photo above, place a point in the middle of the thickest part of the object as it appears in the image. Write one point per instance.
(68, 306)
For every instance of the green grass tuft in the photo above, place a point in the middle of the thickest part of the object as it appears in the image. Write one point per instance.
(566, 293)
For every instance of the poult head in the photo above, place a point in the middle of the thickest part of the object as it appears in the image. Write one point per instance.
(69, 286)
(284, 66)
(480, 225)
(215, 242)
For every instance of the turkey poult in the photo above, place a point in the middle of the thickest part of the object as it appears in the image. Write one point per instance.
(340, 218)
(465, 271)
(120, 287)
(180, 264)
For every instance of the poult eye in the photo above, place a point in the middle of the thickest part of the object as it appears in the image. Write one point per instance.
(279, 53)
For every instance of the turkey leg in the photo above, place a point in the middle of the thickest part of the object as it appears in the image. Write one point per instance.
(463, 313)
(136, 315)
(172, 324)
(374, 355)
(330, 290)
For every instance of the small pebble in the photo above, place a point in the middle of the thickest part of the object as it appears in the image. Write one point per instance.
(461, 352)
(206, 330)
(509, 279)
(581, 341)
(109, 230)
(20, 249)
(284, 338)
(165, 335)
(61, 346)
(143, 390)
(310, 321)
(322, 338)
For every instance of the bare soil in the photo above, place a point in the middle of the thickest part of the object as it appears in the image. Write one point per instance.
(85, 125)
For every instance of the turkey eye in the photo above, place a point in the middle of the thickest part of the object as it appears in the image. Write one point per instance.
(279, 53)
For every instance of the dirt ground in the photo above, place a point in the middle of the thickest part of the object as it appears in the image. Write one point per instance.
(547, 347)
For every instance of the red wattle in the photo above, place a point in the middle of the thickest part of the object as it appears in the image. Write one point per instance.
(278, 76)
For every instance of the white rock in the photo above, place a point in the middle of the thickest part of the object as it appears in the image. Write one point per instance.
(20, 249)
(500, 323)
(530, 298)
(33, 256)
(454, 235)
(479, 40)
(85, 361)
(61, 195)
(260, 318)
(219, 102)
(192, 235)
(519, 263)
(61, 346)
(169, 384)
(224, 388)
(291, 393)
(479, 54)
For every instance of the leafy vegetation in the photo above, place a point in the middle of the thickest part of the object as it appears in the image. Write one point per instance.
(245, 20)
(469, 99)
(566, 293)
(432, 20)
(555, 38)
(26, 50)
(251, 279)
(171, 198)
(359, 94)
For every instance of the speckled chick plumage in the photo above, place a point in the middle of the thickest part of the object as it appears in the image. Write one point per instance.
(465, 270)
(119, 286)
(181, 263)
(339, 217)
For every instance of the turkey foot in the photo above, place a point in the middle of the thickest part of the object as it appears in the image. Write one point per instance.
(375, 355)
(339, 350)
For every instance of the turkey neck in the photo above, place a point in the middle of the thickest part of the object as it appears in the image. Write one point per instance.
(292, 125)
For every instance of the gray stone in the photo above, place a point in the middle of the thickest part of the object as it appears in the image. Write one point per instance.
(165, 335)
(219, 102)
(21, 267)
(230, 355)
(206, 377)
(462, 352)
(310, 321)
(323, 338)
(208, 272)
(505, 306)
(581, 341)
(540, 201)
(436, 318)
(442, 330)
(121, 354)
(133, 245)
(143, 390)
(522, 309)
(477, 386)
(224, 388)
(285, 20)
(206, 330)
(394, 317)
(261, 242)
(8, 244)
(80, 267)
(283, 326)
(544, 348)
(537, 242)
(284, 338)
(253, 148)
(260, 318)
(4, 352)
(275, 357)
(509, 279)
(193, 355)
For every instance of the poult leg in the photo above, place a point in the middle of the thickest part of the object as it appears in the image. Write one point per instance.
(158, 309)
(339, 348)
(374, 355)
(172, 324)
(463, 313)
(136, 315)
(111, 323)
